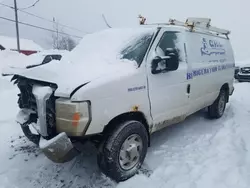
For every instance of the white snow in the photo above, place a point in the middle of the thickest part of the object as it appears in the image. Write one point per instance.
(23, 115)
(14, 62)
(12, 59)
(10, 43)
(40, 92)
(203, 153)
(105, 45)
(45, 143)
(37, 58)
(242, 63)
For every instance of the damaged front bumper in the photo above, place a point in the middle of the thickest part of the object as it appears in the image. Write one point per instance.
(59, 149)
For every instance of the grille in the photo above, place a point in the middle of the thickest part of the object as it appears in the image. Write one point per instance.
(244, 76)
(27, 100)
(26, 97)
(245, 70)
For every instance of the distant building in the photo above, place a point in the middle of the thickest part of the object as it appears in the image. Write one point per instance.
(27, 47)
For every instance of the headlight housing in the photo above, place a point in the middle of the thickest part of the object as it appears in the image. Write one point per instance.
(72, 118)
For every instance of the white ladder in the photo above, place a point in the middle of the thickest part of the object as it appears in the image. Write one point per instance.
(200, 23)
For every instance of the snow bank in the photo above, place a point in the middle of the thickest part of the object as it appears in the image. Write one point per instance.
(54, 51)
(242, 63)
(12, 59)
(25, 44)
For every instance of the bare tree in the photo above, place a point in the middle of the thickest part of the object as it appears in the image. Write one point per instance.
(55, 35)
(66, 43)
(61, 42)
(71, 43)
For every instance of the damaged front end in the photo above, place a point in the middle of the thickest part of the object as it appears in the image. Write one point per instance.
(37, 112)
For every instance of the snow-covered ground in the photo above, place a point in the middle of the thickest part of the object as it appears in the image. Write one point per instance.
(198, 153)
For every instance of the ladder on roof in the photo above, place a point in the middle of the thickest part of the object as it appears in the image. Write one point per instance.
(200, 23)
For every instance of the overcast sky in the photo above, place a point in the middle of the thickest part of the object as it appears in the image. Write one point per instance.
(86, 15)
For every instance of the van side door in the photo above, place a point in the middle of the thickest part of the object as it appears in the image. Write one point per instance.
(168, 90)
(211, 60)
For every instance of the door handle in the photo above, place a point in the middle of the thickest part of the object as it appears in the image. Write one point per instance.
(188, 88)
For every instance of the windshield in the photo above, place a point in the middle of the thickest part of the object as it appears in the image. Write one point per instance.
(111, 45)
(137, 49)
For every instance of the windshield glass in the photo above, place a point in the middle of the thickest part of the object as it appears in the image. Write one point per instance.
(111, 45)
(137, 49)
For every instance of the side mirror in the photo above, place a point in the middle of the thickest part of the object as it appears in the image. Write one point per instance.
(158, 65)
(165, 63)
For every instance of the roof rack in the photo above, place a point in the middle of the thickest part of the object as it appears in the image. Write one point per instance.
(192, 23)
(200, 23)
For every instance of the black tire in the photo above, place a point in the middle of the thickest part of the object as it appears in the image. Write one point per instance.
(108, 157)
(216, 110)
(32, 137)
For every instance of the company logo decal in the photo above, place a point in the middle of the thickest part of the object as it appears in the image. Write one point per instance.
(212, 47)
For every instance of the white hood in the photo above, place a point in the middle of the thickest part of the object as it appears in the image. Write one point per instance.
(97, 55)
(68, 76)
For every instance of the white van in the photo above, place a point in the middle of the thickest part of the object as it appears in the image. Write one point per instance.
(118, 86)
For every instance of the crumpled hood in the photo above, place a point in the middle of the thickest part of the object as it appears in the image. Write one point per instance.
(68, 76)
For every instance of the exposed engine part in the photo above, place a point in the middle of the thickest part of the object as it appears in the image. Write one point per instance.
(27, 100)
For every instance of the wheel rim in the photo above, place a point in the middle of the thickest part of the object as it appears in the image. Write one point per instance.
(130, 152)
(222, 102)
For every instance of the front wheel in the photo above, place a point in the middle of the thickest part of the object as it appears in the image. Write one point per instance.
(123, 152)
(216, 110)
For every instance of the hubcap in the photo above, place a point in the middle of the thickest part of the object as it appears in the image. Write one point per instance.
(130, 152)
(222, 102)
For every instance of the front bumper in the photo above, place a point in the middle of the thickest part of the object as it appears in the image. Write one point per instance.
(59, 149)
(243, 77)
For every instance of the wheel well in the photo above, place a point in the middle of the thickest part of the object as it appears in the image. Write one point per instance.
(138, 116)
(226, 88)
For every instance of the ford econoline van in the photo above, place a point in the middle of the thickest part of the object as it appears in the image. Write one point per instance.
(120, 85)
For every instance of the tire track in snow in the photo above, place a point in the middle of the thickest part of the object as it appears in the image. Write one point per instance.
(214, 159)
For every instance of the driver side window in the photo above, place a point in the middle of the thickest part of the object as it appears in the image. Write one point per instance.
(168, 41)
(167, 53)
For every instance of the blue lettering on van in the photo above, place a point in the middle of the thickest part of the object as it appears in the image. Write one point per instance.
(205, 71)
(212, 47)
(136, 88)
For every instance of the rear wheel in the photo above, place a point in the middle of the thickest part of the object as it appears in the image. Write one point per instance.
(216, 110)
(123, 152)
